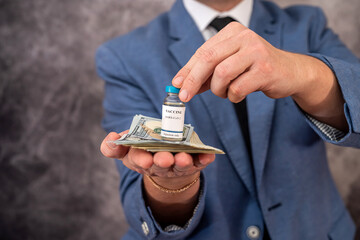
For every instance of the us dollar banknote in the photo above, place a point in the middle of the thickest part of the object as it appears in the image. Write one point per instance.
(144, 133)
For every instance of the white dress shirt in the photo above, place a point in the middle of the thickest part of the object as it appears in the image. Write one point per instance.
(203, 15)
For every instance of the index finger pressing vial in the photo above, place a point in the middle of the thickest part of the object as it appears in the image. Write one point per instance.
(173, 114)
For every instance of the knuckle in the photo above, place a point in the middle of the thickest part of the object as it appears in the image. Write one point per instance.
(222, 71)
(264, 68)
(206, 55)
(247, 33)
(260, 50)
(216, 91)
(191, 81)
(251, 39)
(271, 91)
(256, 70)
(267, 68)
(234, 99)
(235, 91)
(234, 26)
(235, 94)
(185, 70)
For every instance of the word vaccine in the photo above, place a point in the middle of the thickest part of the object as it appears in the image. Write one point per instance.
(173, 114)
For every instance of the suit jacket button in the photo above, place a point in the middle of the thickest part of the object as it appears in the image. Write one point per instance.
(145, 228)
(253, 232)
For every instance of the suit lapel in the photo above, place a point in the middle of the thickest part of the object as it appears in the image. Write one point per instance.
(224, 118)
(186, 37)
(260, 107)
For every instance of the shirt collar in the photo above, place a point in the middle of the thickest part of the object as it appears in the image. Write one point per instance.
(203, 14)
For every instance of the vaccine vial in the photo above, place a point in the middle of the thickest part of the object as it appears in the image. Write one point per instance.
(173, 113)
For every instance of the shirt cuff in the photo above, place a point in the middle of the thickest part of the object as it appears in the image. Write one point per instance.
(172, 228)
(156, 231)
(332, 133)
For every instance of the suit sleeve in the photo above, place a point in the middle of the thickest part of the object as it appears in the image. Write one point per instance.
(326, 46)
(124, 98)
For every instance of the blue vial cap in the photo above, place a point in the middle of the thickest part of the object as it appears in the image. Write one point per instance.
(171, 89)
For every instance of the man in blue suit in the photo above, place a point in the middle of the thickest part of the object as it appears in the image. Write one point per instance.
(302, 87)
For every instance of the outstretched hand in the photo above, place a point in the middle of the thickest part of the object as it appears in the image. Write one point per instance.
(169, 171)
(160, 164)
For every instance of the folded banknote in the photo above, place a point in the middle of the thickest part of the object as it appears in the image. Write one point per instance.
(144, 133)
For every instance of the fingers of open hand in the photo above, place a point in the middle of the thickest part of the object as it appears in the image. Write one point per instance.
(110, 149)
(186, 164)
(168, 165)
(138, 160)
(203, 160)
(162, 167)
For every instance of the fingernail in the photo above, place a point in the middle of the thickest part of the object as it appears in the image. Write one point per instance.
(111, 144)
(183, 95)
(178, 81)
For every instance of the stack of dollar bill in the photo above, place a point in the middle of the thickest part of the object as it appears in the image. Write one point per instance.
(144, 133)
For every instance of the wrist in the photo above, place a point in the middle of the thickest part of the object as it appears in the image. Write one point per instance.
(320, 95)
(172, 208)
(314, 80)
(175, 182)
(160, 195)
(171, 190)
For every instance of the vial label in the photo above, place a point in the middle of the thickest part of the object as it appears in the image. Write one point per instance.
(172, 124)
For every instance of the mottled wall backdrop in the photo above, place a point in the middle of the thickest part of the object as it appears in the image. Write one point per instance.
(54, 184)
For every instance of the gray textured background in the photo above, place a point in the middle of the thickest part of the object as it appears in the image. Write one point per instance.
(54, 184)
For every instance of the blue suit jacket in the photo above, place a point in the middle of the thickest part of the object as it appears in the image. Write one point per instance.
(292, 182)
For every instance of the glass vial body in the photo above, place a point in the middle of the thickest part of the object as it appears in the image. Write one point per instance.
(173, 114)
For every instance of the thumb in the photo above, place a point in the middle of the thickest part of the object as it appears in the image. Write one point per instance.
(110, 149)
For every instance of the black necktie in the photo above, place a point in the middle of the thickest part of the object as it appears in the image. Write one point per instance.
(241, 109)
